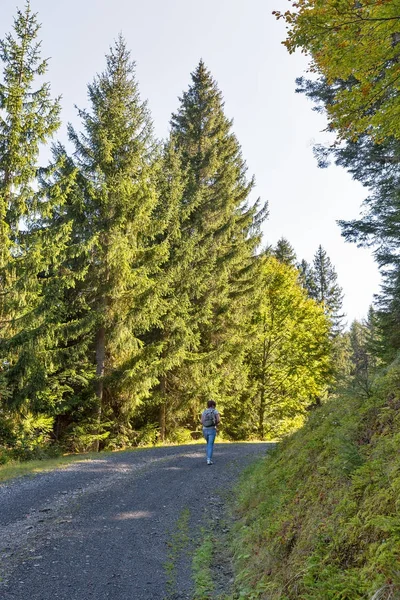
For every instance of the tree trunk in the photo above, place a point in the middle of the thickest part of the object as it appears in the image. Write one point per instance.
(163, 409)
(100, 361)
(261, 412)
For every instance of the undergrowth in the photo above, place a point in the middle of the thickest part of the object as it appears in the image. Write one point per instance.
(202, 572)
(178, 545)
(318, 519)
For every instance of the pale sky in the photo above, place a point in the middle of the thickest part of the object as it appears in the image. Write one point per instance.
(240, 42)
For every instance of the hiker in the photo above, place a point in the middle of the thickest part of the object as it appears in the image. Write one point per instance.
(210, 419)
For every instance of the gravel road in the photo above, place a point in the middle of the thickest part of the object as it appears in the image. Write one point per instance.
(118, 527)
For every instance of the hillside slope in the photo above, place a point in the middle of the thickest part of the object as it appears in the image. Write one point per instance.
(319, 518)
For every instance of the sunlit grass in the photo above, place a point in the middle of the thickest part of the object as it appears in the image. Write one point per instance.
(14, 469)
(32, 467)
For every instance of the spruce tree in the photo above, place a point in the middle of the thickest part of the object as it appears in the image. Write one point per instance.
(175, 331)
(110, 297)
(307, 278)
(220, 230)
(284, 252)
(29, 117)
(327, 291)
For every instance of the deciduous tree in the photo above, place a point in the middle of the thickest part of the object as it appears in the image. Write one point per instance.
(356, 43)
(290, 353)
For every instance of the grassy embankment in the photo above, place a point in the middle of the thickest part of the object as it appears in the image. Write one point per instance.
(319, 518)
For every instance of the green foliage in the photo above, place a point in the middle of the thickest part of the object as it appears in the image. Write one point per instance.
(201, 566)
(25, 436)
(84, 437)
(129, 280)
(376, 166)
(175, 332)
(117, 196)
(29, 117)
(289, 356)
(320, 281)
(100, 206)
(326, 290)
(363, 358)
(284, 252)
(318, 517)
(355, 42)
(180, 435)
(371, 157)
(213, 270)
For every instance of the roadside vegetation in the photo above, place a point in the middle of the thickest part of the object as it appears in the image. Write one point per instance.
(319, 517)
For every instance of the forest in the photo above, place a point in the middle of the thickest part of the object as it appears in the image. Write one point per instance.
(134, 283)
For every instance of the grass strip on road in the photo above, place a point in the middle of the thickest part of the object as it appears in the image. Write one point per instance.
(13, 470)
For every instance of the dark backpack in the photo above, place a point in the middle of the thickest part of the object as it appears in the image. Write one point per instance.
(209, 418)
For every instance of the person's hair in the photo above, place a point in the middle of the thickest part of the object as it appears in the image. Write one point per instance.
(211, 404)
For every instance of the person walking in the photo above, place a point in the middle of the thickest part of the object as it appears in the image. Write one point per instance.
(210, 419)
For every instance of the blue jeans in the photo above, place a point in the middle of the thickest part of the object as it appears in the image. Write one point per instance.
(209, 435)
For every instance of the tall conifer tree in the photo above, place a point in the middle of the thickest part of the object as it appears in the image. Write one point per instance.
(220, 228)
(175, 331)
(307, 278)
(113, 252)
(327, 290)
(29, 117)
(284, 252)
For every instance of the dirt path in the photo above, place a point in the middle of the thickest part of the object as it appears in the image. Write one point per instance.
(120, 527)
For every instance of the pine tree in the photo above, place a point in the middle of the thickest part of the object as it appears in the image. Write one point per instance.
(307, 278)
(327, 291)
(29, 117)
(175, 332)
(284, 252)
(110, 298)
(220, 231)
